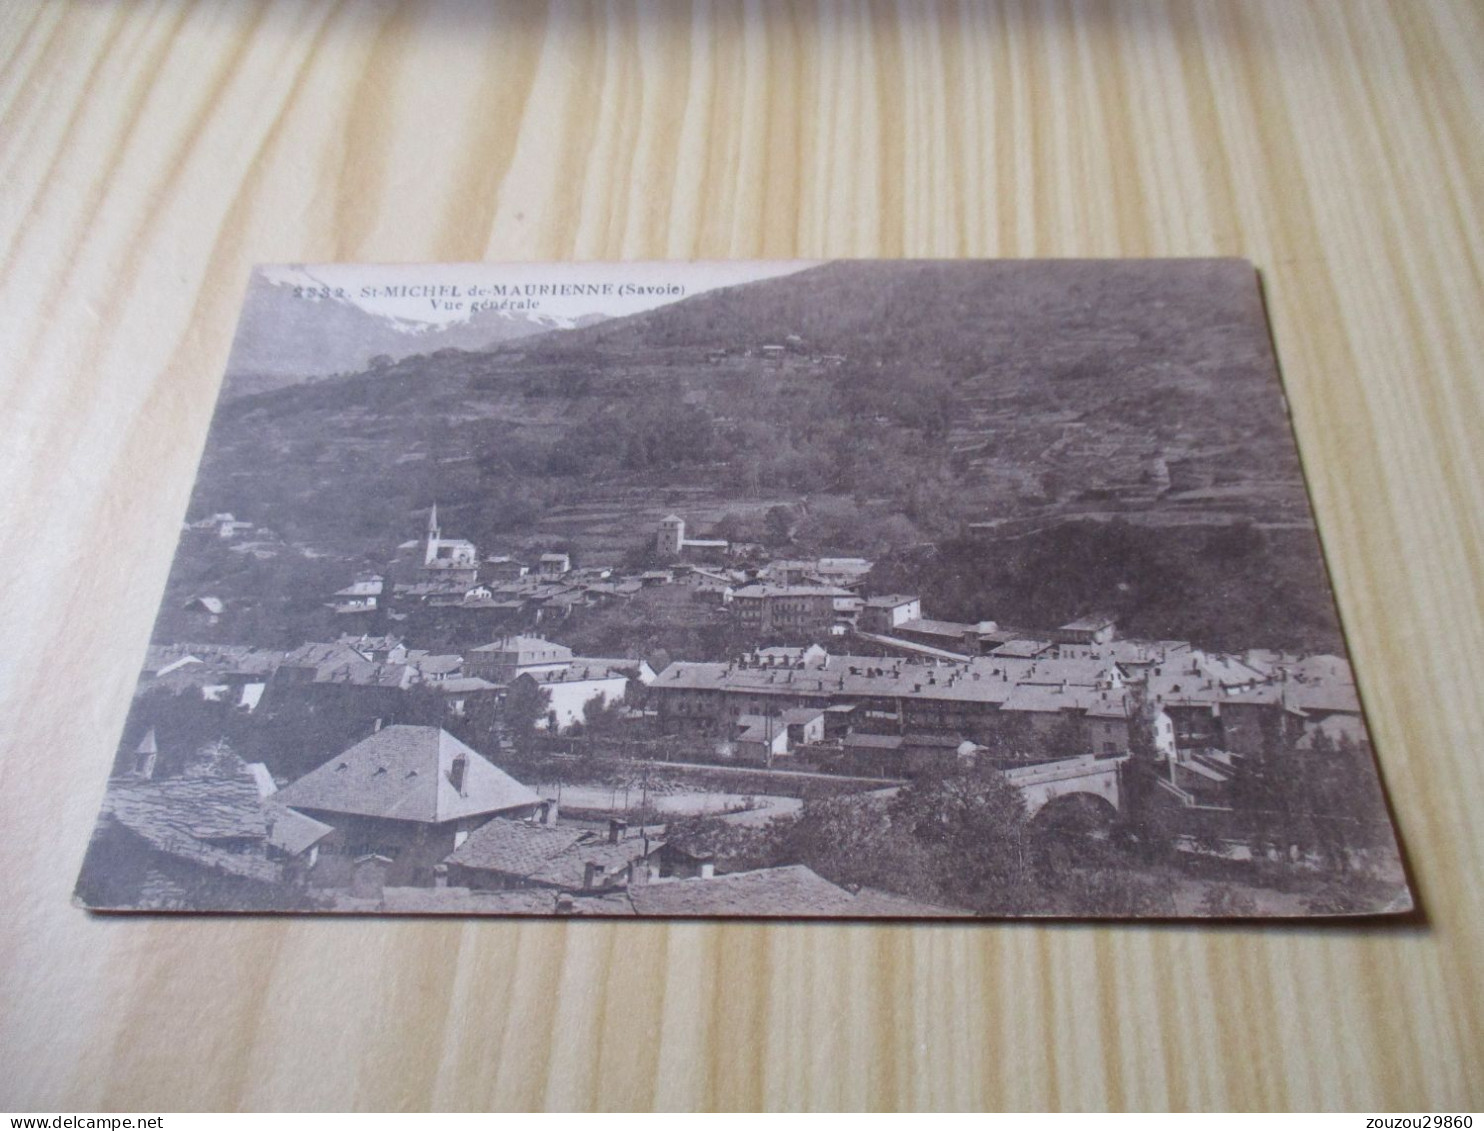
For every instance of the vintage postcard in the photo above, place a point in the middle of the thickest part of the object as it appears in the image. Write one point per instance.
(907, 589)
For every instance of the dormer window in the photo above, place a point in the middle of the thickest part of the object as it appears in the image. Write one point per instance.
(457, 772)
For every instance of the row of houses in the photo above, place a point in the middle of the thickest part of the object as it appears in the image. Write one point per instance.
(889, 714)
(896, 713)
(375, 670)
(450, 573)
(411, 819)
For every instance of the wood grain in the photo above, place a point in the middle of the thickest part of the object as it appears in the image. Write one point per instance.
(150, 152)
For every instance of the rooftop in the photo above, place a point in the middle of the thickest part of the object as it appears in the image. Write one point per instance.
(874, 741)
(929, 627)
(463, 901)
(876, 904)
(200, 819)
(404, 773)
(527, 649)
(792, 892)
(569, 869)
(1092, 622)
(291, 831)
(463, 685)
(758, 590)
(1022, 648)
(514, 848)
(361, 672)
(316, 655)
(580, 671)
(553, 857)
(978, 680)
(434, 665)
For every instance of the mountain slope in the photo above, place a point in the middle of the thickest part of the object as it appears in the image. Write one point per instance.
(934, 395)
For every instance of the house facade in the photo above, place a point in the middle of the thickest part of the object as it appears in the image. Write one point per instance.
(409, 794)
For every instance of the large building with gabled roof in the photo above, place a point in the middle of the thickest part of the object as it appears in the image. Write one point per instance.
(411, 794)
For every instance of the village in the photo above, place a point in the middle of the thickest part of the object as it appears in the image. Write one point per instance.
(516, 776)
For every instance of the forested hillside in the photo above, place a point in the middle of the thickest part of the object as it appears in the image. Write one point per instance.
(944, 392)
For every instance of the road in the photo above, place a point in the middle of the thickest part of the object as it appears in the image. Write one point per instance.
(765, 807)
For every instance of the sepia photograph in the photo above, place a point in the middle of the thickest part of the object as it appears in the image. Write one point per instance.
(903, 589)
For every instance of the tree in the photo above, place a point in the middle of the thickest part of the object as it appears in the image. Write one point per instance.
(1075, 829)
(1349, 810)
(183, 722)
(736, 848)
(526, 704)
(600, 717)
(298, 727)
(479, 725)
(854, 841)
(778, 524)
(1150, 817)
(1313, 796)
(735, 528)
(974, 822)
(1101, 891)
(420, 706)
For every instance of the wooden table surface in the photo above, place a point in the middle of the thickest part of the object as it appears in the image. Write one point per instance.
(151, 151)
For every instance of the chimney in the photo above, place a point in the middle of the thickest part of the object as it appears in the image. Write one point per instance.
(548, 815)
(368, 876)
(457, 771)
(616, 829)
(376, 726)
(592, 875)
(708, 867)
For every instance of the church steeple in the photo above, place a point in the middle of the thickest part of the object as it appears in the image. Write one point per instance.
(435, 536)
(145, 755)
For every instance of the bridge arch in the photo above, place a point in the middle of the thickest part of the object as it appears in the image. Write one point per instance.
(1073, 827)
(1043, 783)
(1079, 810)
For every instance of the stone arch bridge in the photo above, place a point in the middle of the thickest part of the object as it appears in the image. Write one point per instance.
(1084, 774)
